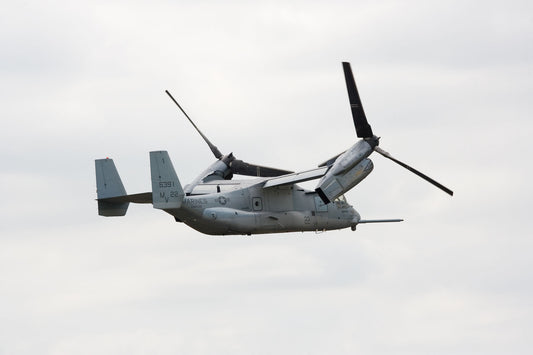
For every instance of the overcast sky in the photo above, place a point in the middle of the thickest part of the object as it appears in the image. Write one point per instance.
(446, 84)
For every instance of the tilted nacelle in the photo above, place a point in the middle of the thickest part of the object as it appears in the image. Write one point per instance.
(349, 169)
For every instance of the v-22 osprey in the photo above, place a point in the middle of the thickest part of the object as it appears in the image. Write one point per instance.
(270, 202)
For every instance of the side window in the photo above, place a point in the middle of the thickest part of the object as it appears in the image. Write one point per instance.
(257, 204)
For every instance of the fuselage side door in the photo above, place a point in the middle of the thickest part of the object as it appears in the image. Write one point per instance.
(321, 214)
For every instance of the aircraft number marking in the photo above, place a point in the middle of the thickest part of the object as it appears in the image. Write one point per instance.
(164, 184)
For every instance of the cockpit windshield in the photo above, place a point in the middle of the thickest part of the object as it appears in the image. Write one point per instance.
(341, 200)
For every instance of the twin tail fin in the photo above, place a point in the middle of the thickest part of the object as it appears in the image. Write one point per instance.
(167, 192)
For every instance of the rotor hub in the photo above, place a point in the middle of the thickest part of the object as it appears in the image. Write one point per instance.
(373, 141)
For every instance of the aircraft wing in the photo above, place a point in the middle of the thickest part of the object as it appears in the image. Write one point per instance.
(294, 178)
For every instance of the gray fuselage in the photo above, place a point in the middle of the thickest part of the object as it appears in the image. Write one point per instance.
(224, 207)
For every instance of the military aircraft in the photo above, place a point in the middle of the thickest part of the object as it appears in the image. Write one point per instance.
(271, 202)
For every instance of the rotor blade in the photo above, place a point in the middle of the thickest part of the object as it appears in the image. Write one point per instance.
(242, 168)
(213, 148)
(362, 127)
(413, 170)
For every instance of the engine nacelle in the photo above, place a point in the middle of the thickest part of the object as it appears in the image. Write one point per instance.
(333, 185)
(355, 154)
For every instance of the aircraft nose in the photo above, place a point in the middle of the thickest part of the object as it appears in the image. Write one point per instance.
(356, 216)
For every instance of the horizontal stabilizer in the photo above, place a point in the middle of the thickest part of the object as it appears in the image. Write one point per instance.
(144, 197)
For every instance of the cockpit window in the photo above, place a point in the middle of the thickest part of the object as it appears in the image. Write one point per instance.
(341, 200)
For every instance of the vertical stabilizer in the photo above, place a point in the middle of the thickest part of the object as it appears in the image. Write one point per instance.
(109, 185)
(167, 192)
